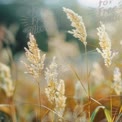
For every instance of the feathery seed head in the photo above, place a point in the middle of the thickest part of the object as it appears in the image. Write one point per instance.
(5, 80)
(34, 57)
(33, 52)
(56, 88)
(117, 84)
(105, 44)
(76, 22)
(51, 72)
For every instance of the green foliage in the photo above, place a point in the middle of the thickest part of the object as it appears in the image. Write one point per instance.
(106, 112)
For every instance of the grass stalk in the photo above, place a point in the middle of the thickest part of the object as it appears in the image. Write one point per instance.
(39, 99)
(111, 104)
(86, 58)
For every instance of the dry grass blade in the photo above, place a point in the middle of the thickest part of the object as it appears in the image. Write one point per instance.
(79, 79)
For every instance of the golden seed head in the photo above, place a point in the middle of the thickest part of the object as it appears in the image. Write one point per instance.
(76, 22)
(117, 84)
(105, 44)
(34, 57)
(6, 82)
(56, 88)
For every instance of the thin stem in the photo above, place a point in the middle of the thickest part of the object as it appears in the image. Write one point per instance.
(83, 86)
(12, 108)
(36, 116)
(39, 93)
(120, 109)
(86, 57)
(111, 102)
(96, 101)
(73, 70)
(120, 102)
(53, 117)
(10, 55)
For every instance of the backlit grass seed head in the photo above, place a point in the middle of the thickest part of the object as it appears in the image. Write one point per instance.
(5, 80)
(117, 84)
(33, 53)
(51, 72)
(34, 57)
(60, 99)
(56, 88)
(76, 22)
(105, 44)
(50, 91)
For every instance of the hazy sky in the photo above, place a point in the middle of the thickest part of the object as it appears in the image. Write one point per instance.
(102, 3)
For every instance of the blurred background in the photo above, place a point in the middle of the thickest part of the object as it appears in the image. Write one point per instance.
(46, 20)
